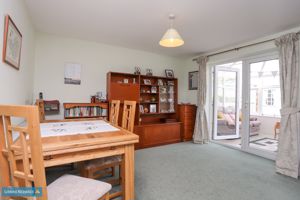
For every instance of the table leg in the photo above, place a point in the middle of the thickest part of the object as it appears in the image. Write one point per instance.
(128, 173)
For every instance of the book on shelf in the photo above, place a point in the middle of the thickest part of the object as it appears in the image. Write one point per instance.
(86, 111)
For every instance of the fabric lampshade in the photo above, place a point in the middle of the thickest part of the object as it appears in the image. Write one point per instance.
(171, 39)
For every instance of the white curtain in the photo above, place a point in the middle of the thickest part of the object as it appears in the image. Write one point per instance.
(201, 130)
(287, 161)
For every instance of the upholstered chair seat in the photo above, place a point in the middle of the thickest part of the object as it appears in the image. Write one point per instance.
(71, 187)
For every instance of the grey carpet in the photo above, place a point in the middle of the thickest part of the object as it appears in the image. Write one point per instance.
(187, 171)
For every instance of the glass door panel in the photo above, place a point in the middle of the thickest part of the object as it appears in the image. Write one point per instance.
(264, 105)
(226, 103)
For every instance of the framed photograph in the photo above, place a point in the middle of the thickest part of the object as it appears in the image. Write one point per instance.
(72, 73)
(12, 43)
(153, 89)
(149, 72)
(147, 82)
(125, 80)
(193, 80)
(152, 108)
(137, 70)
(169, 73)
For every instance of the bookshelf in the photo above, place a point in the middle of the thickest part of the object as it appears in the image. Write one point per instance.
(85, 110)
(157, 101)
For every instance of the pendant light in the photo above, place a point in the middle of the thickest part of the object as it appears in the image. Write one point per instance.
(171, 38)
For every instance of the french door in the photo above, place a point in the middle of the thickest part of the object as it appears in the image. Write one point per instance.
(226, 103)
(246, 104)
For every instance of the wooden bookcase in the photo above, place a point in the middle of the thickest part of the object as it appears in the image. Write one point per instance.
(85, 110)
(156, 98)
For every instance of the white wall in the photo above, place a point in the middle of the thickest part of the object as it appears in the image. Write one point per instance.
(52, 52)
(17, 86)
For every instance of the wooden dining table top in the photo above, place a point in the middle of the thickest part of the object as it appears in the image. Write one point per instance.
(62, 144)
(74, 141)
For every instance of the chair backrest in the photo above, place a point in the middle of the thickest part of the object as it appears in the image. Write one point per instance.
(24, 152)
(128, 115)
(41, 105)
(114, 112)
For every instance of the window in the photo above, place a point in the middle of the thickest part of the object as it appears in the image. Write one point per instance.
(269, 98)
(265, 99)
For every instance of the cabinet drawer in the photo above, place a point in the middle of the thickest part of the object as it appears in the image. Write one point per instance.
(188, 108)
(189, 115)
(189, 120)
(187, 135)
(188, 128)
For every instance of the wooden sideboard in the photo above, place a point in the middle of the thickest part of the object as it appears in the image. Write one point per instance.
(157, 134)
(187, 115)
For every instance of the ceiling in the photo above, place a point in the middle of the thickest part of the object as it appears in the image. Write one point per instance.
(205, 25)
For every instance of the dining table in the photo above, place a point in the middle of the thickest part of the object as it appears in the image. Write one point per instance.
(72, 141)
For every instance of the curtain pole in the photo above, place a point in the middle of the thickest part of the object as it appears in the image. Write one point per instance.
(238, 48)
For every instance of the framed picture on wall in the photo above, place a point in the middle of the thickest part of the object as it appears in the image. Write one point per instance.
(73, 73)
(193, 80)
(169, 73)
(12, 43)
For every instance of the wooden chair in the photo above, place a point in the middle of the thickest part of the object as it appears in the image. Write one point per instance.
(24, 157)
(41, 105)
(114, 112)
(276, 127)
(106, 166)
(128, 115)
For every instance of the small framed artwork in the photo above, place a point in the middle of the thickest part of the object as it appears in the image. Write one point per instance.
(12, 44)
(125, 80)
(169, 73)
(193, 80)
(149, 72)
(137, 70)
(147, 82)
(152, 108)
(73, 73)
(153, 89)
